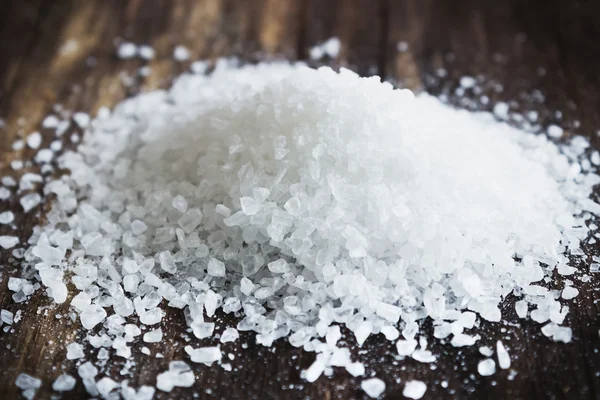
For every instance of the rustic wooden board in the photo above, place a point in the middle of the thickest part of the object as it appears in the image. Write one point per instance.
(519, 46)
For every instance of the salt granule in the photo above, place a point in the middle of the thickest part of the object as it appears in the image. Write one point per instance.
(331, 48)
(34, 140)
(503, 357)
(153, 336)
(30, 201)
(25, 382)
(146, 52)
(569, 293)
(229, 335)
(555, 131)
(8, 242)
(6, 217)
(486, 367)
(302, 199)
(126, 50)
(181, 53)
(64, 383)
(414, 389)
(75, 351)
(373, 387)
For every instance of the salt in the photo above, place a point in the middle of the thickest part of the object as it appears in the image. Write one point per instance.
(34, 140)
(373, 387)
(126, 50)
(153, 336)
(8, 242)
(414, 389)
(503, 357)
(64, 383)
(486, 367)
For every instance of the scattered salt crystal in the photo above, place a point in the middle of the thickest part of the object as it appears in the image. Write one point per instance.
(153, 336)
(167, 263)
(146, 52)
(503, 357)
(7, 242)
(521, 307)
(414, 389)
(81, 119)
(30, 201)
(555, 131)
(390, 333)
(6, 317)
(64, 383)
(92, 315)
(203, 330)
(355, 369)
(34, 140)
(199, 67)
(181, 53)
(467, 82)
(402, 46)
(26, 381)
(279, 267)
(486, 367)
(51, 121)
(373, 387)
(501, 110)
(74, 351)
(331, 48)
(406, 347)
(486, 351)
(18, 145)
(87, 371)
(569, 293)
(16, 165)
(249, 205)
(126, 50)
(4, 193)
(9, 181)
(44, 156)
(6, 217)
(229, 335)
(204, 355)
(105, 386)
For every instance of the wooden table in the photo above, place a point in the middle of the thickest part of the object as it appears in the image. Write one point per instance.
(64, 52)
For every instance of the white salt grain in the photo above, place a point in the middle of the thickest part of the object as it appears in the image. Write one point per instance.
(216, 267)
(25, 382)
(146, 52)
(555, 131)
(153, 336)
(126, 50)
(34, 140)
(75, 351)
(8, 242)
(373, 387)
(486, 367)
(503, 357)
(569, 293)
(181, 53)
(30, 201)
(204, 355)
(64, 383)
(229, 335)
(414, 389)
(6, 217)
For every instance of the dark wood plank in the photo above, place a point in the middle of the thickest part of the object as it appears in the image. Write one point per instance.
(507, 43)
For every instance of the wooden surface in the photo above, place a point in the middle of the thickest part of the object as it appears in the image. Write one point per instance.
(522, 48)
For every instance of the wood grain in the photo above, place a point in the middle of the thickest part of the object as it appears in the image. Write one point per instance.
(520, 49)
